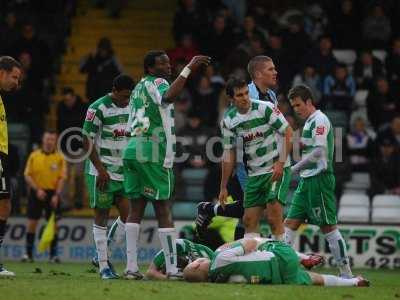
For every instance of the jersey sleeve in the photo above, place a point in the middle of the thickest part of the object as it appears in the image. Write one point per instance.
(230, 254)
(157, 89)
(159, 260)
(93, 121)
(28, 166)
(228, 136)
(320, 132)
(275, 118)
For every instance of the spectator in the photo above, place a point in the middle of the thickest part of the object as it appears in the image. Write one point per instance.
(391, 133)
(194, 136)
(280, 55)
(382, 105)
(376, 28)
(339, 89)
(253, 47)
(250, 30)
(346, 29)
(102, 67)
(385, 170)
(310, 78)
(393, 63)
(366, 69)
(205, 101)
(296, 41)
(9, 33)
(218, 41)
(38, 50)
(316, 21)
(182, 107)
(217, 81)
(70, 116)
(322, 57)
(359, 145)
(187, 19)
(184, 51)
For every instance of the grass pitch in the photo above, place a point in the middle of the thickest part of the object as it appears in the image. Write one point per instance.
(81, 281)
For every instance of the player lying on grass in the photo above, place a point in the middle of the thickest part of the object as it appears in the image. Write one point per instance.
(272, 262)
(189, 252)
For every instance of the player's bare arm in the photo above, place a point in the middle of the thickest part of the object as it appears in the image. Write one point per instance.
(179, 83)
(286, 150)
(103, 176)
(228, 164)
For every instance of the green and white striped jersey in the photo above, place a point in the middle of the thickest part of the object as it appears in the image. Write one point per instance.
(152, 125)
(105, 124)
(233, 265)
(184, 248)
(257, 129)
(317, 132)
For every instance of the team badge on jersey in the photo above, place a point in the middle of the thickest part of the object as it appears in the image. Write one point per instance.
(159, 81)
(91, 113)
(320, 130)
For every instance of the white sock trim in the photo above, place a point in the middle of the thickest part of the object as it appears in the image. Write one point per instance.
(216, 209)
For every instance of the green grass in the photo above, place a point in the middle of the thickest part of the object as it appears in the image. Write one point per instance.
(80, 281)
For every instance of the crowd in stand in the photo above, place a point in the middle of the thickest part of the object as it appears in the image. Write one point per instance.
(300, 37)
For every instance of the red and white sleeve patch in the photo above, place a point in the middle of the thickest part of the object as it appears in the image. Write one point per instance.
(90, 114)
(320, 130)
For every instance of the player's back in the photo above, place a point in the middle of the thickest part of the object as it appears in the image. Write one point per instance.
(232, 265)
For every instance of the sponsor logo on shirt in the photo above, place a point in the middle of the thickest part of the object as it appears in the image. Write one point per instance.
(119, 133)
(252, 136)
(90, 114)
(320, 130)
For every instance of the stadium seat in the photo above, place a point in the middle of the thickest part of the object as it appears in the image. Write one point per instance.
(354, 200)
(347, 57)
(355, 191)
(386, 209)
(338, 118)
(353, 214)
(387, 215)
(386, 201)
(360, 97)
(354, 208)
(194, 184)
(380, 54)
(184, 210)
(361, 177)
(19, 134)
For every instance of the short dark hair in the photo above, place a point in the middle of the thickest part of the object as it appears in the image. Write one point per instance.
(302, 91)
(150, 59)
(234, 83)
(255, 62)
(123, 82)
(7, 63)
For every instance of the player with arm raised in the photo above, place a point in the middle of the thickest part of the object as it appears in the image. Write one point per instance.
(148, 158)
(104, 138)
(314, 199)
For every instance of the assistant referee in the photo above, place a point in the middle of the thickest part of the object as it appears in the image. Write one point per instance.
(10, 76)
(45, 173)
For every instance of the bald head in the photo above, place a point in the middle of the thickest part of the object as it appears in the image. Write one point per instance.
(197, 271)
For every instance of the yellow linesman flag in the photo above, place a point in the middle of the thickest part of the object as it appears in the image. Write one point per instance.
(48, 234)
